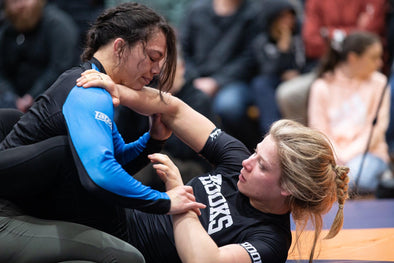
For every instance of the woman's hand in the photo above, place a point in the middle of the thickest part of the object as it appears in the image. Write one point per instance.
(182, 197)
(158, 130)
(93, 78)
(166, 170)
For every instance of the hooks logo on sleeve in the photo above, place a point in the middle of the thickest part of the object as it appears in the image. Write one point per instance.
(103, 117)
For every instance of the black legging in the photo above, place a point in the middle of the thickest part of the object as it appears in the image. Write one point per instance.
(29, 239)
(25, 238)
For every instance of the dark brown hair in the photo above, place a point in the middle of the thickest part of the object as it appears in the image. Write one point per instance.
(356, 42)
(134, 23)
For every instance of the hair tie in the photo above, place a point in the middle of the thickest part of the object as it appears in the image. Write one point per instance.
(337, 40)
(340, 206)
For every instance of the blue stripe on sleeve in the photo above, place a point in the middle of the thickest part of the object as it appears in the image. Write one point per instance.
(89, 117)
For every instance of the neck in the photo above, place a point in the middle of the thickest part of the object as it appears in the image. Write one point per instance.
(106, 61)
(276, 207)
(351, 73)
(226, 7)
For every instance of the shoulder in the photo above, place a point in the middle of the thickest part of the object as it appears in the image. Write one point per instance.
(322, 83)
(378, 78)
(225, 151)
(91, 98)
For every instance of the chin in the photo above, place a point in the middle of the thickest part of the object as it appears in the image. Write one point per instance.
(136, 86)
(239, 186)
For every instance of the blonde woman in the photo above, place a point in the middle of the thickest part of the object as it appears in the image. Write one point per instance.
(249, 197)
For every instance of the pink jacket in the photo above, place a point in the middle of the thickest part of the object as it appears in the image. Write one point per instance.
(344, 109)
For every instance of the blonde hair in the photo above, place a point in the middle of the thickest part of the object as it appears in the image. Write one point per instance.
(311, 176)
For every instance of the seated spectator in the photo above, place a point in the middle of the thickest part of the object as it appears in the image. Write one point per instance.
(83, 13)
(343, 103)
(324, 21)
(37, 43)
(215, 36)
(279, 56)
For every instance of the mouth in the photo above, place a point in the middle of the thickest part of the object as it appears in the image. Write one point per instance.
(146, 80)
(241, 178)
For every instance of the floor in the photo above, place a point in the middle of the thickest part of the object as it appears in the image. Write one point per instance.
(367, 234)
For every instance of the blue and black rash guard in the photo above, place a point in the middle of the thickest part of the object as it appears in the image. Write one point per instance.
(101, 151)
(100, 154)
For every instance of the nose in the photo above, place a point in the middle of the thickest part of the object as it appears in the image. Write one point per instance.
(248, 163)
(155, 68)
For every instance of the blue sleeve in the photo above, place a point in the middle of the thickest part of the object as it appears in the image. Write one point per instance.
(124, 153)
(96, 144)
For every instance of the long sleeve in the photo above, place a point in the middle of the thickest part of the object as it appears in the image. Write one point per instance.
(95, 142)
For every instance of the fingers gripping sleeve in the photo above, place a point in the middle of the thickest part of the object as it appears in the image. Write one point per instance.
(93, 136)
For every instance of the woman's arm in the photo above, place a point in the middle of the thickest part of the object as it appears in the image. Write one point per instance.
(187, 124)
(195, 245)
(192, 241)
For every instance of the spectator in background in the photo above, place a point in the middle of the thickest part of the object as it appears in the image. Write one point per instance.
(215, 37)
(37, 43)
(279, 56)
(173, 11)
(343, 103)
(84, 13)
(188, 161)
(324, 21)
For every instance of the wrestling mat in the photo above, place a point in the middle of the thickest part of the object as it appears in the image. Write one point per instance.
(367, 235)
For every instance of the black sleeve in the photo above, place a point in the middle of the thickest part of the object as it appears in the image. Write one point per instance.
(225, 151)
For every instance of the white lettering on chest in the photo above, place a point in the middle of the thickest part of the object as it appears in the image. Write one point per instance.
(219, 212)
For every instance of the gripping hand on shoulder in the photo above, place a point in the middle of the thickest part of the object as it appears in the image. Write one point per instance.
(182, 197)
(93, 78)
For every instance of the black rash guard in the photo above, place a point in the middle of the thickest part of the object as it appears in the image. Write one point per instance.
(228, 219)
(101, 157)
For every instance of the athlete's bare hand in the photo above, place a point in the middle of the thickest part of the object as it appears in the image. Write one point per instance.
(182, 197)
(183, 200)
(166, 170)
(93, 78)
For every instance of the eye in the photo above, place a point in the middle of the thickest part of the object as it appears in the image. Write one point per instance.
(261, 166)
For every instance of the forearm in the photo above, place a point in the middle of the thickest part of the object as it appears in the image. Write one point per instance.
(187, 124)
(194, 245)
(146, 101)
(192, 241)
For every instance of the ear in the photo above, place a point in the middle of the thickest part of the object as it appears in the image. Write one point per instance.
(118, 46)
(284, 192)
(352, 57)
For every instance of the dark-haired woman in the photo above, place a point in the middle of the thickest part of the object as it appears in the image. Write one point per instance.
(344, 101)
(132, 44)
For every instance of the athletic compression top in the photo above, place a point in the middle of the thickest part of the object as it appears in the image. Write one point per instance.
(99, 152)
(229, 218)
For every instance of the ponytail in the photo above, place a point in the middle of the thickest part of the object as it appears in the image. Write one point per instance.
(341, 180)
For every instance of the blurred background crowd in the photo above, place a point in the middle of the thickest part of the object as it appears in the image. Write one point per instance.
(242, 63)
